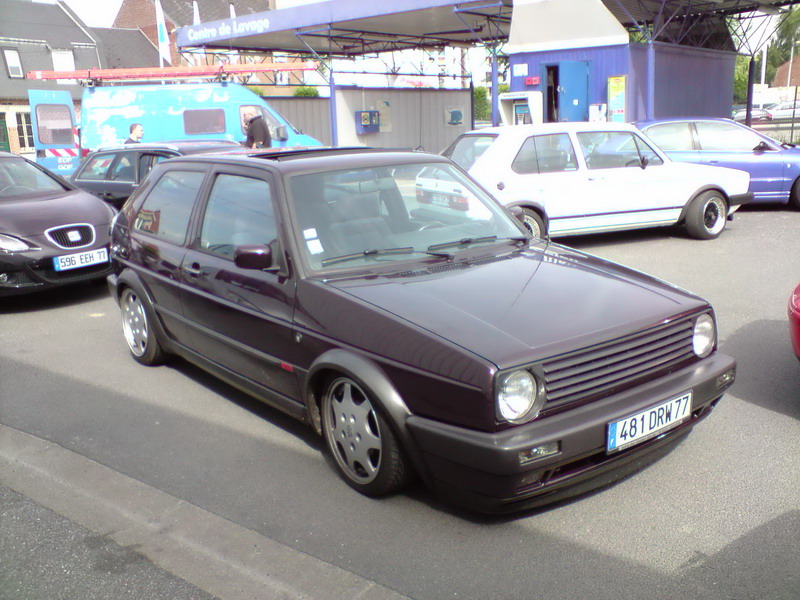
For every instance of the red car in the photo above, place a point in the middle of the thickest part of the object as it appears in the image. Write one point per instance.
(794, 320)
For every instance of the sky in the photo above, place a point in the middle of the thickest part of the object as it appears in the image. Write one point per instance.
(95, 13)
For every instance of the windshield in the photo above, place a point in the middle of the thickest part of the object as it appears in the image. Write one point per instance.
(18, 178)
(393, 213)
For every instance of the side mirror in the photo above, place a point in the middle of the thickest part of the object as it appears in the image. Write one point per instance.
(761, 147)
(253, 256)
(645, 162)
(280, 133)
(518, 213)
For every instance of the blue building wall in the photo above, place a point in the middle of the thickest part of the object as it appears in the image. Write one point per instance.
(688, 82)
(693, 82)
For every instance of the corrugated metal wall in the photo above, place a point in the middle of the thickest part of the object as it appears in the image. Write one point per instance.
(693, 82)
(410, 118)
(310, 115)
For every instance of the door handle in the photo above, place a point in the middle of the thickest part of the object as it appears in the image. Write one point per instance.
(194, 270)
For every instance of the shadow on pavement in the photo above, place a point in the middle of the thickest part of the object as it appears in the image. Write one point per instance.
(764, 357)
(54, 298)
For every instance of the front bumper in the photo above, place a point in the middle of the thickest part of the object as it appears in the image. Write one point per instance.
(24, 273)
(483, 471)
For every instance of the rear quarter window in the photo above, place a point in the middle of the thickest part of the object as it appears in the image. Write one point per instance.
(167, 209)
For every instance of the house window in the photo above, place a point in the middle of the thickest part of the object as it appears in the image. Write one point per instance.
(24, 130)
(63, 60)
(13, 64)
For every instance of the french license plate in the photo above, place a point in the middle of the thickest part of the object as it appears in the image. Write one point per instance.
(648, 423)
(81, 259)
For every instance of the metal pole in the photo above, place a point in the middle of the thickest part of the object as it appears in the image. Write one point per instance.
(751, 77)
(651, 80)
(332, 104)
(495, 92)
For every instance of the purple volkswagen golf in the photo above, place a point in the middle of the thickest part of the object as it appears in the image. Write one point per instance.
(421, 333)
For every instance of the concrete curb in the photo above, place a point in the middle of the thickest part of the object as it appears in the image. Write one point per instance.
(212, 553)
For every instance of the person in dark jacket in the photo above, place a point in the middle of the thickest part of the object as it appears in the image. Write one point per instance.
(257, 131)
(137, 131)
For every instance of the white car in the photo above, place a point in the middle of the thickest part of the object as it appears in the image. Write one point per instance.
(581, 178)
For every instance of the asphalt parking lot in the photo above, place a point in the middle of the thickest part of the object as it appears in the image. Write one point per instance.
(174, 480)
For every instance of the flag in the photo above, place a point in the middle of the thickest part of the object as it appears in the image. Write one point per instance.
(196, 11)
(163, 38)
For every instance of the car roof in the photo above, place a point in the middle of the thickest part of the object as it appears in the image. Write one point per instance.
(647, 123)
(180, 146)
(311, 158)
(543, 128)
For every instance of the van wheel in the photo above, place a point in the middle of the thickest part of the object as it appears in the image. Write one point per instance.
(367, 453)
(533, 222)
(136, 327)
(707, 215)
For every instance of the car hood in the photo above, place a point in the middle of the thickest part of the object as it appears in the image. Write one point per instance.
(525, 305)
(32, 215)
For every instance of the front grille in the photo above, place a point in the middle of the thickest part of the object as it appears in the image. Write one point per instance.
(608, 368)
(76, 235)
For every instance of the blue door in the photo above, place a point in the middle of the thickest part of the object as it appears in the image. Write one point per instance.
(54, 132)
(573, 90)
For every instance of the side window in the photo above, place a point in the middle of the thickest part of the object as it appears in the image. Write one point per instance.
(55, 124)
(239, 211)
(524, 162)
(123, 170)
(719, 136)
(96, 168)
(554, 153)
(645, 151)
(166, 211)
(672, 136)
(608, 149)
(204, 120)
(147, 162)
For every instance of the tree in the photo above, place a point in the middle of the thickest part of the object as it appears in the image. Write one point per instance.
(483, 106)
(308, 91)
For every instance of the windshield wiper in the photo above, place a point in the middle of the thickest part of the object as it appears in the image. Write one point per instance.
(473, 240)
(383, 252)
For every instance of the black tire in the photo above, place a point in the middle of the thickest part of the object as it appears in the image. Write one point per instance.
(137, 319)
(794, 196)
(365, 449)
(533, 223)
(707, 215)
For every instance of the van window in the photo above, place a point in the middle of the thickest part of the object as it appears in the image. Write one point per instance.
(269, 119)
(166, 211)
(55, 124)
(205, 120)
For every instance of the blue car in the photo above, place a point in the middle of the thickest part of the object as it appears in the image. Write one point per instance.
(774, 167)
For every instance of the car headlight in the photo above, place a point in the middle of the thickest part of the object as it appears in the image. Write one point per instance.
(10, 243)
(518, 396)
(704, 336)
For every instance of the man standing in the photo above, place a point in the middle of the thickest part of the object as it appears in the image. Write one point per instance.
(137, 131)
(257, 130)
